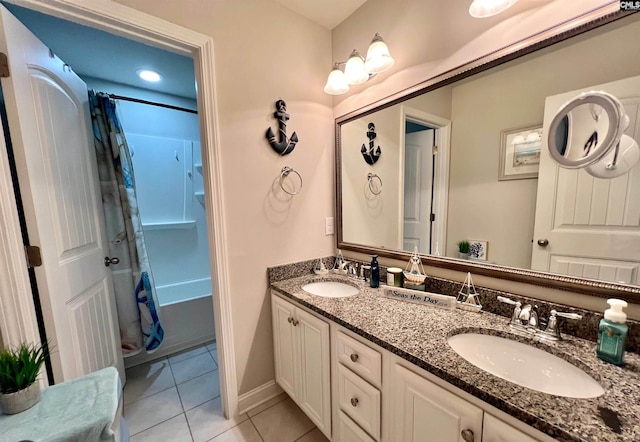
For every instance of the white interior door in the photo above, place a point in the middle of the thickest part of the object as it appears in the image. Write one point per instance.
(592, 225)
(417, 190)
(49, 122)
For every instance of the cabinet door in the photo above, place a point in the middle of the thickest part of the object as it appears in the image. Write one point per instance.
(315, 389)
(497, 431)
(424, 412)
(284, 345)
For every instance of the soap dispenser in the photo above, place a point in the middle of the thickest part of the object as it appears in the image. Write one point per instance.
(375, 272)
(612, 333)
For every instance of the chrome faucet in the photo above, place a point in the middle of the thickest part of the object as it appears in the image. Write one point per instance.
(526, 318)
(352, 269)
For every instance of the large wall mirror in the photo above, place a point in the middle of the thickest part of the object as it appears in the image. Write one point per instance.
(467, 161)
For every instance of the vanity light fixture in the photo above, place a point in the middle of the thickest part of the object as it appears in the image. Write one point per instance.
(149, 75)
(357, 69)
(489, 8)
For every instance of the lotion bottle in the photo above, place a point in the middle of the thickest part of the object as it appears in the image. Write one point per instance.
(375, 272)
(612, 333)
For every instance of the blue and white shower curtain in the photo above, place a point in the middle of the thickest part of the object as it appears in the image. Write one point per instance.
(135, 292)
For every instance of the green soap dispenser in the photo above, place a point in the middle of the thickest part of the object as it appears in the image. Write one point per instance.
(612, 333)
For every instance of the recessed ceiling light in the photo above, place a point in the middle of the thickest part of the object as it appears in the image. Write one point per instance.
(149, 75)
(488, 8)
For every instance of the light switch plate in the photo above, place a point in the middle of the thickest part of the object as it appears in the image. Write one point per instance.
(329, 226)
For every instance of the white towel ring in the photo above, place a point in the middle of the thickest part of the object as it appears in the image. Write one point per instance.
(286, 170)
(372, 186)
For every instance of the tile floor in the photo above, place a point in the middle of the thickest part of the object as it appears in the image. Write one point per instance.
(177, 399)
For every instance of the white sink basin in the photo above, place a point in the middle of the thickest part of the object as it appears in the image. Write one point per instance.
(330, 289)
(525, 365)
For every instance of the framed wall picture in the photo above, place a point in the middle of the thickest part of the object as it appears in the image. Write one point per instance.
(520, 153)
(478, 249)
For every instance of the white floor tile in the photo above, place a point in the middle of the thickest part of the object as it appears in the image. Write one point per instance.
(207, 421)
(152, 410)
(245, 432)
(199, 390)
(270, 403)
(284, 422)
(186, 354)
(192, 367)
(146, 380)
(313, 436)
(174, 430)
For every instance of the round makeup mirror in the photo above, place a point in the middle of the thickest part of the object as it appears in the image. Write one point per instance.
(588, 132)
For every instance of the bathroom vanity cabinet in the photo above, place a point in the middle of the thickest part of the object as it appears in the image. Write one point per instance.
(372, 395)
(301, 345)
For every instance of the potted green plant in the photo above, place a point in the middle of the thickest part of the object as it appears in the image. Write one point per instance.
(19, 368)
(463, 249)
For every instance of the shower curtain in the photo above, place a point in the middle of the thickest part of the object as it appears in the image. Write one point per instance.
(132, 279)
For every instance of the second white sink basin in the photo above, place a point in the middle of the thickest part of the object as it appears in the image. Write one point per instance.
(525, 365)
(330, 289)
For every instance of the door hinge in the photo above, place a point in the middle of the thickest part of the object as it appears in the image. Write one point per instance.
(4, 65)
(34, 259)
(434, 150)
(433, 217)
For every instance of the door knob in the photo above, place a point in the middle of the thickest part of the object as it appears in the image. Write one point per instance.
(354, 401)
(543, 242)
(354, 357)
(108, 261)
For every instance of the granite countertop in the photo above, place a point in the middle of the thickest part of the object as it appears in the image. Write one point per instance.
(419, 334)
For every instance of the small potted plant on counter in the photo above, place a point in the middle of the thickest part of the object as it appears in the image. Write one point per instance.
(463, 249)
(19, 370)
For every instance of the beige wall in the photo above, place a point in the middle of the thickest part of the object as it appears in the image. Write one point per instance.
(429, 37)
(264, 52)
(512, 97)
(373, 219)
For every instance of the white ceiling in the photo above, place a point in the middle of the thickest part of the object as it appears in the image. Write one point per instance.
(327, 13)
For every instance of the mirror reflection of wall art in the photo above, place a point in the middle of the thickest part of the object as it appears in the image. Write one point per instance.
(478, 249)
(520, 153)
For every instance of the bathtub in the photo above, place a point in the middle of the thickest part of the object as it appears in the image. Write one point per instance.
(186, 312)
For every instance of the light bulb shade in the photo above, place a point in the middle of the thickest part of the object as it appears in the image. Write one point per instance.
(378, 57)
(354, 70)
(336, 82)
(488, 8)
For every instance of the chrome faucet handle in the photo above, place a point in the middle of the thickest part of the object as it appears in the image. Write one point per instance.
(362, 269)
(352, 269)
(515, 317)
(552, 331)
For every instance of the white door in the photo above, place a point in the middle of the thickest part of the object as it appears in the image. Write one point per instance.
(592, 225)
(49, 122)
(418, 178)
(425, 412)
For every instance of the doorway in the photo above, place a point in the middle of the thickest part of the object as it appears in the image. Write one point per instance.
(119, 19)
(424, 171)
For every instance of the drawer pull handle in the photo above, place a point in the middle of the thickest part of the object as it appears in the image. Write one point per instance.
(354, 357)
(467, 435)
(295, 322)
(290, 319)
(354, 402)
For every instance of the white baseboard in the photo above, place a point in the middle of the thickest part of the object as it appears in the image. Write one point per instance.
(258, 396)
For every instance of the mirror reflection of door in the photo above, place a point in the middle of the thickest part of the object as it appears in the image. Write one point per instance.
(590, 224)
(419, 164)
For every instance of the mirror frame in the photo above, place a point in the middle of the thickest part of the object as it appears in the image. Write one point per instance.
(562, 32)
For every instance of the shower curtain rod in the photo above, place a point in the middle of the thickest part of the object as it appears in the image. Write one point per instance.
(152, 103)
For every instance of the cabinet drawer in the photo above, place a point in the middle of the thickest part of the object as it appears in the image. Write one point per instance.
(359, 400)
(360, 358)
(350, 431)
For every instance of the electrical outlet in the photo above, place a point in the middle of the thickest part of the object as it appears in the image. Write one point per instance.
(328, 226)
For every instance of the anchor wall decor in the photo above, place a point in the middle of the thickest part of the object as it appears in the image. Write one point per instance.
(284, 146)
(371, 155)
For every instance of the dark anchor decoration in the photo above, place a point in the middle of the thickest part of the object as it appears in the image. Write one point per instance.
(284, 146)
(371, 155)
